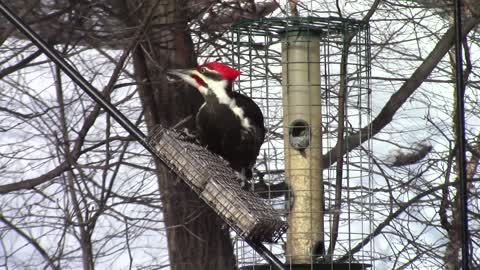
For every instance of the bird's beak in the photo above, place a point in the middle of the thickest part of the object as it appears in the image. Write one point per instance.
(175, 74)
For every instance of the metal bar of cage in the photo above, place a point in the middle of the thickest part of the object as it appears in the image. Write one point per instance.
(138, 135)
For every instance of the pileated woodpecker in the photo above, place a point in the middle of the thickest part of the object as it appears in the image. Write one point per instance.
(229, 124)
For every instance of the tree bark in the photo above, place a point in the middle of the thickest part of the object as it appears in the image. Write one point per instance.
(197, 238)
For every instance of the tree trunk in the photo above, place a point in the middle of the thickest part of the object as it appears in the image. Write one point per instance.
(196, 237)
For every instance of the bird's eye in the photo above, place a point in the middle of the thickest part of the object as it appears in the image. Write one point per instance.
(203, 70)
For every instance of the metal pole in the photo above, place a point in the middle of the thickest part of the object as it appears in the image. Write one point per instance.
(460, 134)
(105, 104)
(266, 254)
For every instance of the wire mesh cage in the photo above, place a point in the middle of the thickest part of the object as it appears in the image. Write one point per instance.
(310, 76)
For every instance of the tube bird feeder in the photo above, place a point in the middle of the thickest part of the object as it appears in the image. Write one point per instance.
(302, 115)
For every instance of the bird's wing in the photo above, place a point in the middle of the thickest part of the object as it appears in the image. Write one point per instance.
(254, 114)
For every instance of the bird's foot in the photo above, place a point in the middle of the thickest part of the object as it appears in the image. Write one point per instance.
(245, 175)
(243, 179)
(188, 135)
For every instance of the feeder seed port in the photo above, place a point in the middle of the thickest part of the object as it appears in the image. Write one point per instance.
(299, 134)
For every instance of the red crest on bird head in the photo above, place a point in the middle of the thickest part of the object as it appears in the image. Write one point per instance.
(227, 72)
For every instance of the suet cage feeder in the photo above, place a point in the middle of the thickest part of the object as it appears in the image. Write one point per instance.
(293, 70)
(217, 185)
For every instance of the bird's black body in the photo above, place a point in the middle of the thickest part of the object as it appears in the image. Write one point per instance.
(229, 123)
(221, 130)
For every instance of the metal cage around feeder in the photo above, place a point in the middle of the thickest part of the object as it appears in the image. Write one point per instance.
(310, 76)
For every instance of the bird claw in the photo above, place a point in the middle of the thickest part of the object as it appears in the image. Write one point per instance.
(242, 177)
(187, 135)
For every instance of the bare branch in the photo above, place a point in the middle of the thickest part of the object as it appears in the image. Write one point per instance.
(406, 90)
